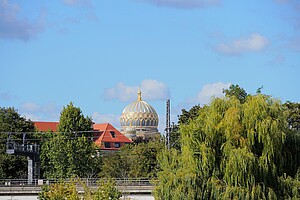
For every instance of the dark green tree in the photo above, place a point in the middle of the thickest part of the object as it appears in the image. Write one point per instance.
(133, 161)
(293, 112)
(72, 122)
(292, 141)
(175, 137)
(115, 165)
(186, 116)
(258, 91)
(143, 159)
(71, 152)
(12, 166)
(238, 92)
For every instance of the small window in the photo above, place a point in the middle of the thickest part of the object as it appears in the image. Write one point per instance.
(117, 144)
(113, 134)
(107, 144)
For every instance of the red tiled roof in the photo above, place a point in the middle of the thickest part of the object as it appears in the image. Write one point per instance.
(107, 132)
(102, 133)
(46, 126)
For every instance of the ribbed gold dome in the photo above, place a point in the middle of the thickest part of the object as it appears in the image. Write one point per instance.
(139, 114)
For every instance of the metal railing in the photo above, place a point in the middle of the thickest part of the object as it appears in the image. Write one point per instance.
(87, 181)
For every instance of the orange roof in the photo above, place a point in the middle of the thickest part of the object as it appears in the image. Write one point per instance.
(109, 134)
(103, 133)
(46, 126)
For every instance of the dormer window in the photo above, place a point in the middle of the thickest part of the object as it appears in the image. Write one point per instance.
(113, 134)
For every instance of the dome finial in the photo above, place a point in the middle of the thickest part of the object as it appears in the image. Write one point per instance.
(139, 94)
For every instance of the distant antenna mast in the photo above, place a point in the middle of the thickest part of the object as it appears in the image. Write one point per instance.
(168, 124)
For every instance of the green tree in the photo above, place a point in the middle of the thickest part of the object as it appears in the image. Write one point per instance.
(143, 159)
(175, 137)
(233, 150)
(238, 92)
(71, 152)
(72, 122)
(133, 161)
(293, 118)
(186, 116)
(12, 166)
(107, 190)
(67, 190)
(60, 191)
(115, 165)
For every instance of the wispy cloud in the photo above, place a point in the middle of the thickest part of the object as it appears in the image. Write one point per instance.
(186, 4)
(252, 43)
(7, 96)
(78, 2)
(293, 43)
(293, 13)
(151, 90)
(12, 26)
(278, 59)
(106, 118)
(36, 112)
(82, 10)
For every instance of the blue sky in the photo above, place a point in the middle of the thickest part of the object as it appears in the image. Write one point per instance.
(97, 53)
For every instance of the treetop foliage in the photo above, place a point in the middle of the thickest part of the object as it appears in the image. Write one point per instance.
(72, 120)
(11, 121)
(237, 91)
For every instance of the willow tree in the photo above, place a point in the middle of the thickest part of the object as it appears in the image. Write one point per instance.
(232, 150)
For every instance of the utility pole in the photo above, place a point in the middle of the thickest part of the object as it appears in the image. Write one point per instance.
(168, 126)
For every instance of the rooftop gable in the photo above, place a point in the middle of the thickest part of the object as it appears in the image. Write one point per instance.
(109, 134)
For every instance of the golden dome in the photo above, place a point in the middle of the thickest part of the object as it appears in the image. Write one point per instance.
(139, 114)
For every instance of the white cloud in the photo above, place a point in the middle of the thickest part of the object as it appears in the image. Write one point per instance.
(187, 4)
(85, 3)
(14, 27)
(113, 119)
(253, 43)
(154, 90)
(30, 107)
(211, 90)
(36, 112)
(151, 90)
(205, 95)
